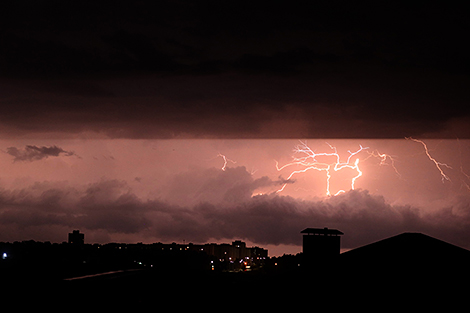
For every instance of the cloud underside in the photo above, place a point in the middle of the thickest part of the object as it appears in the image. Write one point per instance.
(194, 70)
(236, 107)
(110, 206)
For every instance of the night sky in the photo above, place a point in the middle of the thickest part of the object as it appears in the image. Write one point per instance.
(114, 117)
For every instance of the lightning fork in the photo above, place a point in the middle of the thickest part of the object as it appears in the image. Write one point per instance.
(226, 160)
(308, 159)
(437, 163)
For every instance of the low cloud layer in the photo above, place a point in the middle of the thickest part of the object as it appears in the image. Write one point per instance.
(111, 207)
(234, 185)
(34, 153)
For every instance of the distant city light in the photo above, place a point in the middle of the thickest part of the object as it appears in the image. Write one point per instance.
(4, 256)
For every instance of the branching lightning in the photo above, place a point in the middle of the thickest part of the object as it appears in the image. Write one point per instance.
(226, 160)
(438, 164)
(383, 160)
(308, 160)
(305, 159)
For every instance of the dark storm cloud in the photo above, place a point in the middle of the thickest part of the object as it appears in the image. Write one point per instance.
(228, 70)
(54, 38)
(33, 153)
(111, 206)
(107, 205)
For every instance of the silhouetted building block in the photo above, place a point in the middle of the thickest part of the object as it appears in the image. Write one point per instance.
(320, 245)
(227, 252)
(257, 252)
(239, 250)
(76, 238)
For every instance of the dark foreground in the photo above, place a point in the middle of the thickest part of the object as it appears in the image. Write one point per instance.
(243, 292)
(410, 271)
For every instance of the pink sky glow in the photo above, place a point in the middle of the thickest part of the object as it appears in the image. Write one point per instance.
(173, 190)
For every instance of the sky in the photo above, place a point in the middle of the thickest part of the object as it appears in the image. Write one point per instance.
(127, 190)
(115, 117)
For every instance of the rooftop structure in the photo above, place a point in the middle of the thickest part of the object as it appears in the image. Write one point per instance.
(408, 248)
(320, 245)
(411, 257)
(75, 237)
(322, 231)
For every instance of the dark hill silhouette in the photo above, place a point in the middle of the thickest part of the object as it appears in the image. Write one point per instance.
(413, 258)
(406, 248)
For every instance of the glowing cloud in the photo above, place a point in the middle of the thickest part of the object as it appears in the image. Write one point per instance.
(308, 160)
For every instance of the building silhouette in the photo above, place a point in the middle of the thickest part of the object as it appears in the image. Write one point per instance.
(76, 238)
(231, 252)
(408, 253)
(413, 261)
(320, 245)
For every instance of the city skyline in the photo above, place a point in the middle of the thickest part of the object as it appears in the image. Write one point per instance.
(150, 191)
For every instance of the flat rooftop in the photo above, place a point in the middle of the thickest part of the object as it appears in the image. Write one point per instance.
(322, 231)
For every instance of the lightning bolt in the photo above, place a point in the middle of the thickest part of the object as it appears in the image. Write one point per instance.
(466, 175)
(461, 167)
(438, 164)
(308, 159)
(383, 160)
(226, 160)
